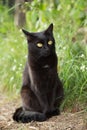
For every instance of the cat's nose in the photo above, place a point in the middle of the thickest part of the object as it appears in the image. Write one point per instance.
(47, 52)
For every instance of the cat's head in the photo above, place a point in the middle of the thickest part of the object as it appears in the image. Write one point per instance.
(41, 44)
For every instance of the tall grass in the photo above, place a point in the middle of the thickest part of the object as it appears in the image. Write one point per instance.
(72, 55)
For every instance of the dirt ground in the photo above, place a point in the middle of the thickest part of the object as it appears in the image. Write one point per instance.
(66, 121)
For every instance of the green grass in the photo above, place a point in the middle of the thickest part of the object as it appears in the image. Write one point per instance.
(72, 55)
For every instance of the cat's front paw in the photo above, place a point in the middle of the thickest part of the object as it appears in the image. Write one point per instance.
(28, 116)
(17, 114)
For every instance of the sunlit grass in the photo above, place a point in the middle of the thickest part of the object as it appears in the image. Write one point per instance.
(13, 56)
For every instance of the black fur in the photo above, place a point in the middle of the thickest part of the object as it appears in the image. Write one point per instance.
(42, 90)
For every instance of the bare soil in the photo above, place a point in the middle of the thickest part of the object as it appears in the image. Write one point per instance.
(65, 121)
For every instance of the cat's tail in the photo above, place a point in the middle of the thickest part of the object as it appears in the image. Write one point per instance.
(27, 116)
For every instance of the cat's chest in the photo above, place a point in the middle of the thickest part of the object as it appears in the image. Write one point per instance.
(42, 81)
(43, 77)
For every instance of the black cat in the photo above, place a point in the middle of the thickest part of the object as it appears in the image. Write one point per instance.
(42, 90)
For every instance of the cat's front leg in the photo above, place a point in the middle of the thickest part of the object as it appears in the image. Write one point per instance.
(31, 109)
(43, 101)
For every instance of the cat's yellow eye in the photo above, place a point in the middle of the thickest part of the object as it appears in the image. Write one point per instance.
(50, 42)
(39, 45)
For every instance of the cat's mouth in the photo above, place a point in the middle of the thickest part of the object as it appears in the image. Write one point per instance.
(44, 58)
(46, 55)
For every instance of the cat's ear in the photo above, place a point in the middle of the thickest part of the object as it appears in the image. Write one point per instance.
(28, 35)
(50, 28)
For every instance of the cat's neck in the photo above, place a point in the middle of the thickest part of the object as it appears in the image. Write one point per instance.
(43, 63)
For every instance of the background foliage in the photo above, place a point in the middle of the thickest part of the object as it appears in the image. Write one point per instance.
(70, 31)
